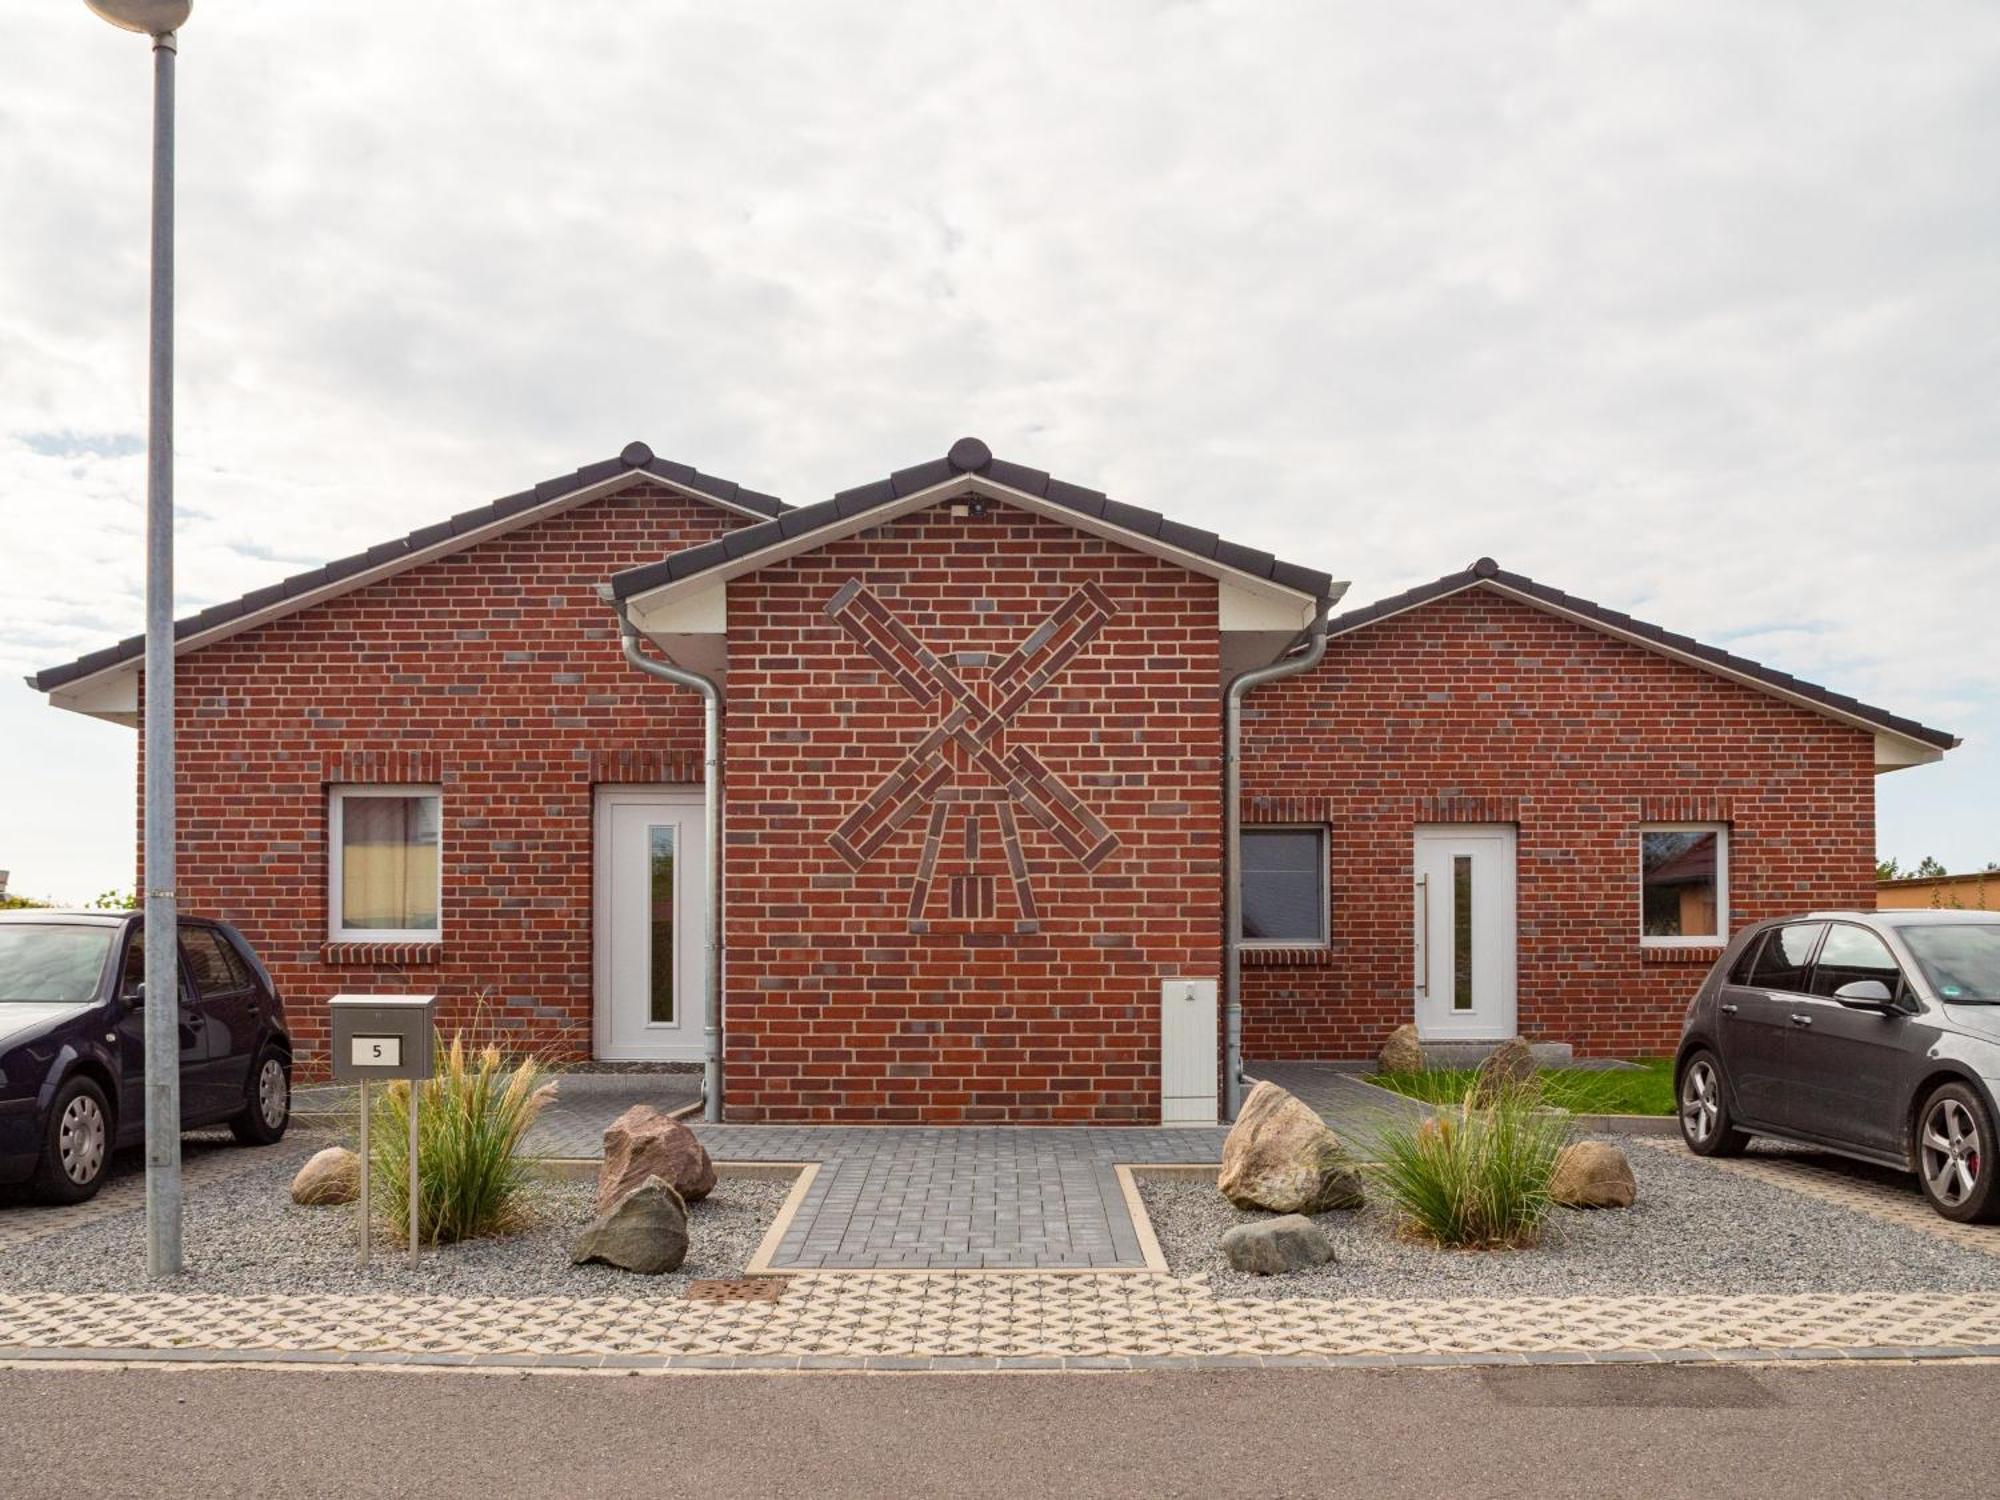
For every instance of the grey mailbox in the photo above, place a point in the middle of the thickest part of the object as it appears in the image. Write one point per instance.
(377, 1037)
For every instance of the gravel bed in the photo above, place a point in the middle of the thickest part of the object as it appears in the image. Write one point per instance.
(245, 1235)
(1694, 1230)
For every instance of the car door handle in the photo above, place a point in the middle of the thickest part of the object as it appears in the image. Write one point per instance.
(1728, 1009)
(1802, 1020)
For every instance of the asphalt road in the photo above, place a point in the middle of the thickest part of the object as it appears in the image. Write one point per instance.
(1824, 1431)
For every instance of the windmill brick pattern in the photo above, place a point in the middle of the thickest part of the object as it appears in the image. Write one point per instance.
(969, 740)
(902, 701)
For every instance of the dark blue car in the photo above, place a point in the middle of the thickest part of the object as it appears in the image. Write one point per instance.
(72, 1044)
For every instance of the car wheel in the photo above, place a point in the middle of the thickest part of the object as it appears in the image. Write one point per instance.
(268, 1108)
(1955, 1156)
(1705, 1121)
(76, 1146)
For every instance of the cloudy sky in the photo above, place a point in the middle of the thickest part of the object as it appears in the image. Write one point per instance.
(1691, 308)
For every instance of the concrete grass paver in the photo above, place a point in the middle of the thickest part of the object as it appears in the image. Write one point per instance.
(976, 1319)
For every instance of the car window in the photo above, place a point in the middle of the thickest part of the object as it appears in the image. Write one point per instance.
(1851, 954)
(209, 962)
(1961, 960)
(52, 962)
(1786, 955)
(135, 965)
(1739, 972)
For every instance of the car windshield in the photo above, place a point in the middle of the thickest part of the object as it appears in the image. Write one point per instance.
(1961, 960)
(51, 964)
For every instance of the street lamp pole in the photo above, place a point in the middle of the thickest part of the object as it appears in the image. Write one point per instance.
(160, 19)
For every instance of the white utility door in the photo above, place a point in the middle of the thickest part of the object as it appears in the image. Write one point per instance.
(651, 891)
(1465, 931)
(1187, 1052)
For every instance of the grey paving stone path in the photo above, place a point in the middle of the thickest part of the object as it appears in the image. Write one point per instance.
(1355, 1110)
(961, 1198)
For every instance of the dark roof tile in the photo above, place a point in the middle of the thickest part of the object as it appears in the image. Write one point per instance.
(969, 455)
(921, 476)
(430, 536)
(745, 539)
(1487, 572)
(1132, 518)
(1018, 477)
(1243, 559)
(636, 456)
(694, 559)
(1188, 538)
(1074, 497)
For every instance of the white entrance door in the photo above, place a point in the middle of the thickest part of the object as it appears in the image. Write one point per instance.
(648, 934)
(1465, 931)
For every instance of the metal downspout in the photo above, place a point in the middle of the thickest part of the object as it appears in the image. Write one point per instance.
(1232, 840)
(711, 791)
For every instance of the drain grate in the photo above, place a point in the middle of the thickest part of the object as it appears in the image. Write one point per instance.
(745, 1289)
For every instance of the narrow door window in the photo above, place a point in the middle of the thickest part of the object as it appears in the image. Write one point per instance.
(1461, 932)
(660, 853)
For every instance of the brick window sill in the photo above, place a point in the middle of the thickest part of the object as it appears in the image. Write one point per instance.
(1285, 958)
(1703, 954)
(373, 955)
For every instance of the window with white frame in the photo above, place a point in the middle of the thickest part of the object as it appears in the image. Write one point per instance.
(1284, 887)
(383, 862)
(1683, 884)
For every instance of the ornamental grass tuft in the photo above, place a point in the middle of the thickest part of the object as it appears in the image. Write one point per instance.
(471, 1119)
(1475, 1177)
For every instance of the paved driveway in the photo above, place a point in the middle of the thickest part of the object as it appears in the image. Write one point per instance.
(960, 1198)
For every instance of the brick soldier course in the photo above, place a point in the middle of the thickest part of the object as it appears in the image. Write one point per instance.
(972, 744)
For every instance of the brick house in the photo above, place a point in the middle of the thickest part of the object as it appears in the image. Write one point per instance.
(973, 726)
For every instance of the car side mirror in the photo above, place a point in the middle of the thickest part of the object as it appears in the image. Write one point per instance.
(1867, 994)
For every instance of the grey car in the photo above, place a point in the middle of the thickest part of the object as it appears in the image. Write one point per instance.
(1874, 1034)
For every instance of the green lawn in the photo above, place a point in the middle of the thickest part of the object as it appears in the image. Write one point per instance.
(1645, 1090)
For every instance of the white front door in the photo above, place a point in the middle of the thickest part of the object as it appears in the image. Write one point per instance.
(1465, 931)
(651, 892)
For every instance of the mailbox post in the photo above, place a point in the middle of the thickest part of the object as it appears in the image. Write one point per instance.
(382, 1038)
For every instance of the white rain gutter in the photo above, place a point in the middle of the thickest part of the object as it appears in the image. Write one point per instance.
(1232, 844)
(711, 792)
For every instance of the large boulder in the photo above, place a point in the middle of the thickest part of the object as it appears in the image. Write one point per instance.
(646, 1231)
(1593, 1174)
(1511, 1065)
(332, 1176)
(1271, 1247)
(1402, 1053)
(644, 1143)
(1280, 1156)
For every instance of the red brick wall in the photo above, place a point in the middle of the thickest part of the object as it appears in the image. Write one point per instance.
(1479, 708)
(837, 1008)
(495, 672)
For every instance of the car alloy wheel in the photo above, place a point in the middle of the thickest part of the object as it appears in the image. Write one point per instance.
(273, 1099)
(1950, 1151)
(80, 1140)
(1701, 1101)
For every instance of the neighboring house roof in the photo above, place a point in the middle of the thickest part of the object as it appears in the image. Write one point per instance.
(423, 545)
(1488, 575)
(970, 465)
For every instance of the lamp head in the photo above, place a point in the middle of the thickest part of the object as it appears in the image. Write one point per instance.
(152, 17)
